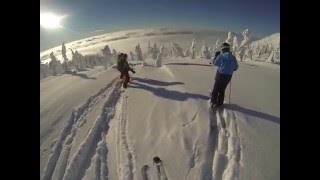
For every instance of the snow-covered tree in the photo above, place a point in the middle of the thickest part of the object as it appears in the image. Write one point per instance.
(248, 54)
(213, 50)
(246, 37)
(193, 49)
(107, 56)
(271, 58)
(235, 44)
(263, 49)
(74, 61)
(98, 60)
(162, 49)
(114, 53)
(65, 64)
(78, 60)
(92, 60)
(216, 46)
(155, 51)
(63, 52)
(267, 48)
(114, 56)
(277, 51)
(210, 50)
(230, 38)
(240, 53)
(132, 56)
(256, 49)
(44, 70)
(138, 53)
(159, 60)
(205, 52)
(150, 49)
(259, 53)
(55, 65)
(187, 53)
(202, 54)
(106, 51)
(81, 63)
(89, 61)
(176, 50)
(172, 50)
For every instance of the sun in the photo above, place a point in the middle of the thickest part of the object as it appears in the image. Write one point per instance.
(50, 21)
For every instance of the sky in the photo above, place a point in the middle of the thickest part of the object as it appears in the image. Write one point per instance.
(85, 18)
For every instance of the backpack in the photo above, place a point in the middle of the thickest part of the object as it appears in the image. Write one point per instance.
(120, 64)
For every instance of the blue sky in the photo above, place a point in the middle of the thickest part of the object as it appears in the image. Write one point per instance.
(83, 17)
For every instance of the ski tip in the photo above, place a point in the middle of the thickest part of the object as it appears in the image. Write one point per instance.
(157, 160)
(145, 167)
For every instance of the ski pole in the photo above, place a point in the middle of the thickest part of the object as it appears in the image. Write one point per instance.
(230, 93)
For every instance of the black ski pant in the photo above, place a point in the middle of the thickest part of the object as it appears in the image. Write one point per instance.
(220, 85)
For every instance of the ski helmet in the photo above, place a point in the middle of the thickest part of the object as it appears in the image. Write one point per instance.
(225, 46)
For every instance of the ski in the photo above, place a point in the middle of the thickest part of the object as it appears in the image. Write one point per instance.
(160, 169)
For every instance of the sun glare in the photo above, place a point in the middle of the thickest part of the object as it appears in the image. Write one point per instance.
(49, 20)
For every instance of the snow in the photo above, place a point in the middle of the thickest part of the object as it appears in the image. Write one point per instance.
(116, 40)
(246, 37)
(90, 129)
(271, 42)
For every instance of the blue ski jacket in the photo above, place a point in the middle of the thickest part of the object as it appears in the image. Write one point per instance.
(226, 63)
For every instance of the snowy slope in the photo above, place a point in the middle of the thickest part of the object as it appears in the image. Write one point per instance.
(114, 134)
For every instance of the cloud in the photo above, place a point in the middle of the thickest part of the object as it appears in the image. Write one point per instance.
(95, 31)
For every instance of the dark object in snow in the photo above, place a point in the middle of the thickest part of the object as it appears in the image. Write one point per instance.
(157, 160)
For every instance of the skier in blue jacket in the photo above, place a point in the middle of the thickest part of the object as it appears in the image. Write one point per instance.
(226, 64)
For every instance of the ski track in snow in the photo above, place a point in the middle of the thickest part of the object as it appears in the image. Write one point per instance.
(223, 150)
(194, 160)
(224, 143)
(126, 155)
(144, 172)
(206, 170)
(161, 173)
(58, 166)
(227, 151)
(81, 160)
(100, 160)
